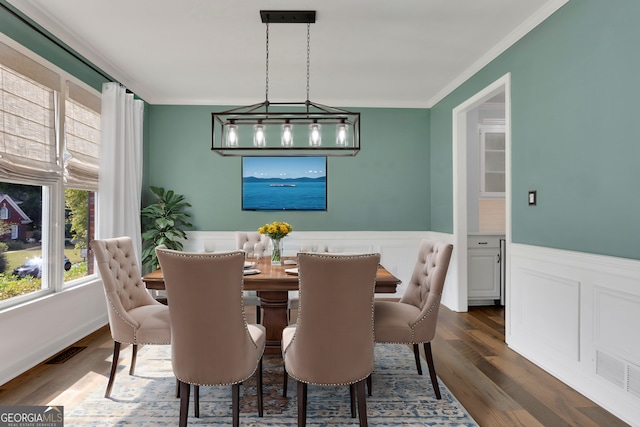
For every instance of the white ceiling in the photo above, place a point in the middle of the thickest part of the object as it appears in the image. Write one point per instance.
(364, 53)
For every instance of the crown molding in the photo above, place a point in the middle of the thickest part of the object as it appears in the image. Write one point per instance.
(536, 19)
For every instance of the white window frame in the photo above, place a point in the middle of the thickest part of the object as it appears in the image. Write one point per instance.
(53, 195)
(14, 231)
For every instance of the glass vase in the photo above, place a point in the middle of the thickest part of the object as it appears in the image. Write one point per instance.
(276, 254)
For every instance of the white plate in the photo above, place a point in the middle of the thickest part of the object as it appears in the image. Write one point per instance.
(291, 270)
(248, 271)
(248, 264)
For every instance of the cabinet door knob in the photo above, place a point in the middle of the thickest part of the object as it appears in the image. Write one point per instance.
(483, 243)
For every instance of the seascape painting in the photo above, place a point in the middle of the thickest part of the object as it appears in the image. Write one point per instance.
(284, 183)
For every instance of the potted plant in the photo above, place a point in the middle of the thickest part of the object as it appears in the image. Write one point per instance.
(163, 223)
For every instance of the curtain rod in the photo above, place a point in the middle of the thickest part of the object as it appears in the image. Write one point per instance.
(61, 45)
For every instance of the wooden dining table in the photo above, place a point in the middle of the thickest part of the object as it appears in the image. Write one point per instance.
(272, 285)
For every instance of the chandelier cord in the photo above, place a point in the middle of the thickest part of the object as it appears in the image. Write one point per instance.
(266, 90)
(308, 55)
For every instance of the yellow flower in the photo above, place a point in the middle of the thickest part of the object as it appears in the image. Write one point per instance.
(276, 230)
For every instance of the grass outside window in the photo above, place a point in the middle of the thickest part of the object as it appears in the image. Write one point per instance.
(11, 286)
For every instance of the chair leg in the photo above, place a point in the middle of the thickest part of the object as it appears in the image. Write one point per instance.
(416, 353)
(370, 384)
(114, 365)
(352, 396)
(285, 382)
(134, 357)
(302, 404)
(362, 403)
(259, 385)
(178, 388)
(258, 315)
(432, 369)
(196, 401)
(185, 390)
(235, 404)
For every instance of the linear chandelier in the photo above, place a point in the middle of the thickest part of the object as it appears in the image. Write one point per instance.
(286, 128)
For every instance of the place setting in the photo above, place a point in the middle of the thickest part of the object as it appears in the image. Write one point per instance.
(249, 268)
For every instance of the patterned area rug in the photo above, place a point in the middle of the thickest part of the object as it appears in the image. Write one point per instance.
(401, 397)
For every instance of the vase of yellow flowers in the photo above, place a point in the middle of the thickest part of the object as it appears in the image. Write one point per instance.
(277, 230)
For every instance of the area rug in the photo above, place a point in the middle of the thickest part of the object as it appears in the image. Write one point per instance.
(401, 397)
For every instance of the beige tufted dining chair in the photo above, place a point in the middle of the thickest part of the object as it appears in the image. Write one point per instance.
(135, 317)
(308, 247)
(332, 341)
(413, 319)
(254, 245)
(211, 342)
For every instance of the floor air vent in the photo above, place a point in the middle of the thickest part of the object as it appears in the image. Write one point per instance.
(633, 380)
(64, 355)
(610, 368)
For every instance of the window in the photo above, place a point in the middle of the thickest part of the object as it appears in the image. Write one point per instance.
(25, 273)
(50, 176)
(4, 212)
(81, 166)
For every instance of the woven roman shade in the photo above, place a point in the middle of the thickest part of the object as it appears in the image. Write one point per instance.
(82, 138)
(27, 118)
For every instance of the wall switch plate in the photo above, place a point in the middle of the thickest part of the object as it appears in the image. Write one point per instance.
(533, 198)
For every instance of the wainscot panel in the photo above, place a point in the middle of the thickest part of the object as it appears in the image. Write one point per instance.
(36, 330)
(576, 315)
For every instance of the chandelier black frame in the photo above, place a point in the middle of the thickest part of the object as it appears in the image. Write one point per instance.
(275, 128)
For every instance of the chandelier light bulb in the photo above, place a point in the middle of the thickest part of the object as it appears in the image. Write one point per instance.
(315, 137)
(287, 135)
(259, 139)
(232, 136)
(341, 134)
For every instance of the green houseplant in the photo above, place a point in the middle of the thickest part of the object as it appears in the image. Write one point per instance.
(163, 223)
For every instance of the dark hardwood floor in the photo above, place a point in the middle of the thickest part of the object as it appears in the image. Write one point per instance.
(496, 385)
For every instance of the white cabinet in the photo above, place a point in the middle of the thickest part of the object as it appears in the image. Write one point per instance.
(492, 161)
(484, 269)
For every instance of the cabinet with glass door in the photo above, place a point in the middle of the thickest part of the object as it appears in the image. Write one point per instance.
(492, 162)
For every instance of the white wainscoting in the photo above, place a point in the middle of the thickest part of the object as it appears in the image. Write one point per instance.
(398, 249)
(36, 330)
(577, 316)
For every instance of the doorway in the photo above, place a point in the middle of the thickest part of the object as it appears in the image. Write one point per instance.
(464, 116)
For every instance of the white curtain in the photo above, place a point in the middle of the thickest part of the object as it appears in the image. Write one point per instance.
(119, 198)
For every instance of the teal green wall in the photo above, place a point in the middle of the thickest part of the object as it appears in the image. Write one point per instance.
(384, 187)
(575, 80)
(575, 137)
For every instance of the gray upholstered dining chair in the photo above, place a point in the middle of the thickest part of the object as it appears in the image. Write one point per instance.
(135, 317)
(413, 319)
(332, 342)
(254, 245)
(212, 343)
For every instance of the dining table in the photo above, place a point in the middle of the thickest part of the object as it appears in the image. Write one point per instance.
(272, 283)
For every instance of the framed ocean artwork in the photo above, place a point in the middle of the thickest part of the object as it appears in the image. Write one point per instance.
(291, 183)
